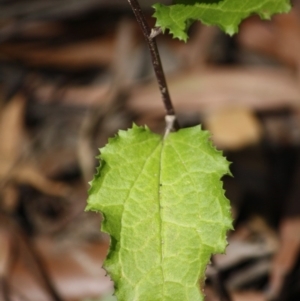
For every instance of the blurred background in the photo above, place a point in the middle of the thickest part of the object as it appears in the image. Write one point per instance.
(74, 72)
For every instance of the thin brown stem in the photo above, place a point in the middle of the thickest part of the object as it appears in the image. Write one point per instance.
(156, 61)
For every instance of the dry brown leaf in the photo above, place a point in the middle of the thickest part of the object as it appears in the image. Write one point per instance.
(12, 129)
(97, 52)
(233, 128)
(287, 254)
(14, 167)
(75, 271)
(248, 296)
(279, 38)
(4, 252)
(254, 88)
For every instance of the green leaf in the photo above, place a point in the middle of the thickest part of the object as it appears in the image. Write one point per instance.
(226, 14)
(164, 207)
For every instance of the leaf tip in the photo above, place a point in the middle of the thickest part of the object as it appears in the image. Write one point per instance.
(231, 29)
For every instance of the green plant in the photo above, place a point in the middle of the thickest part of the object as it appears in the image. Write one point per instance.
(161, 197)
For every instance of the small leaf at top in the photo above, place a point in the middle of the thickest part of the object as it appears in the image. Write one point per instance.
(164, 207)
(227, 14)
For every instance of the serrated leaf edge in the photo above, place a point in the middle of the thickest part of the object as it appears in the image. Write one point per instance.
(230, 29)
